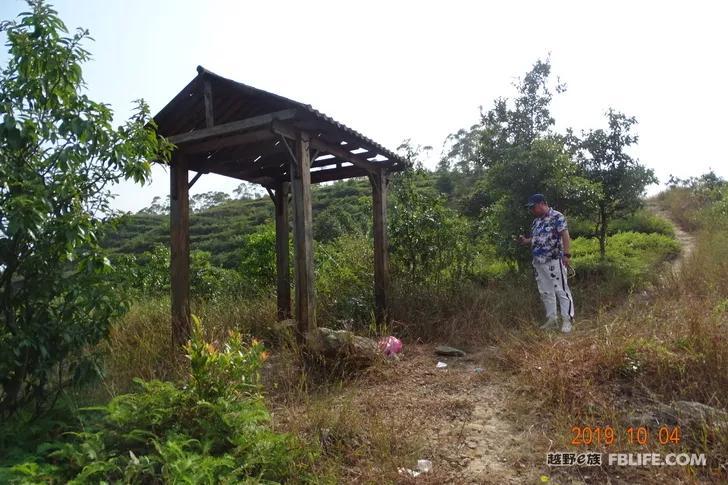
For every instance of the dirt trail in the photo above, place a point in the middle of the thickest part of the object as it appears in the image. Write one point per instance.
(686, 240)
(463, 413)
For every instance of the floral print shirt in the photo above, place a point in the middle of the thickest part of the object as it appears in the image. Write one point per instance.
(546, 236)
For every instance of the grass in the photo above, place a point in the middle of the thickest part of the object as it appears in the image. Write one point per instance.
(140, 344)
(640, 340)
(665, 344)
(481, 310)
(644, 337)
(500, 310)
(641, 221)
(212, 427)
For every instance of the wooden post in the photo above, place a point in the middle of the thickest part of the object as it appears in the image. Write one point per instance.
(381, 266)
(303, 236)
(180, 250)
(282, 268)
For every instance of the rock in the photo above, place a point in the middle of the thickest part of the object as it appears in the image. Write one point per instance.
(693, 414)
(647, 419)
(342, 345)
(449, 351)
(692, 417)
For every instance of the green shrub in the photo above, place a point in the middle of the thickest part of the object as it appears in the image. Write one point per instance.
(641, 221)
(429, 241)
(257, 266)
(630, 257)
(349, 216)
(715, 216)
(148, 274)
(345, 280)
(213, 429)
(59, 154)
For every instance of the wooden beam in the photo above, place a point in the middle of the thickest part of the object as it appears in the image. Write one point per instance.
(243, 163)
(324, 147)
(303, 236)
(264, 180)
(319, 176)
(269, 178)
(194, 179)
(232, 127)
(381, 260)
(345, 154)
(207, 94)
(282, 264)
(180, 251)
(229, 141)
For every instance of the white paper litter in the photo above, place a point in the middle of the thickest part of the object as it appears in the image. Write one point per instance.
(423, 466)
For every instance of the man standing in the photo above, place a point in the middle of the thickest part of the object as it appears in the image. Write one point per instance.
(549, 243)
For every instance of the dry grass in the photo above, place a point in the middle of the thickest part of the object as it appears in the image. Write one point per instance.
(667, 343)
(474, 313)
(663, 343)
(140, 344)
(684, 206)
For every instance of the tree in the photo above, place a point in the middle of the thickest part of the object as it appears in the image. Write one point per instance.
(248, 190)
(513, 153)
(506, 131)
(158, 206)
(428, 240)
(59, 154)
(547, 168)
(621, 179)
(207, 200)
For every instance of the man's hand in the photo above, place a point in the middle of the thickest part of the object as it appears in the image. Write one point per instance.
(566, 260)
(523, 240)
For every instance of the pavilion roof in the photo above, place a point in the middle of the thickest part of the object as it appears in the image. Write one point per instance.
(229, 128)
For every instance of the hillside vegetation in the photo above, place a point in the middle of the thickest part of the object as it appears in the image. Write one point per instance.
(93, 390)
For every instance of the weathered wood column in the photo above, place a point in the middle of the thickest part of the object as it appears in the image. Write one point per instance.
(303, 235)
(381, 259)
(282, 268)
(180, 250)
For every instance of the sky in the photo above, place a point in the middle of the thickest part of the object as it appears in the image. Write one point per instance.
(420, 70)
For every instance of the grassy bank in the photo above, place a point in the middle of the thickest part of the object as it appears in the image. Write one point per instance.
(666, 343)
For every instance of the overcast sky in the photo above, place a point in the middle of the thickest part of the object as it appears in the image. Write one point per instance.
(420, 70)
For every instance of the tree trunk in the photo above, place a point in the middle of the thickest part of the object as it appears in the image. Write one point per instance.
(602, 232)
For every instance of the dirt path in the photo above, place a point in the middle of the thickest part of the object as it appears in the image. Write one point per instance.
(686, 240)
(463, 414)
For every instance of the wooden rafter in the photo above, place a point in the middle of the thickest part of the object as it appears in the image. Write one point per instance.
(325, 147)
(209, 112)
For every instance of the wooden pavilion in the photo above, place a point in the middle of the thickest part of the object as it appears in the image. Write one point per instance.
(228, 128)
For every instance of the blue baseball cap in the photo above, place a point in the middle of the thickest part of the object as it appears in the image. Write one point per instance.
(535, 199)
